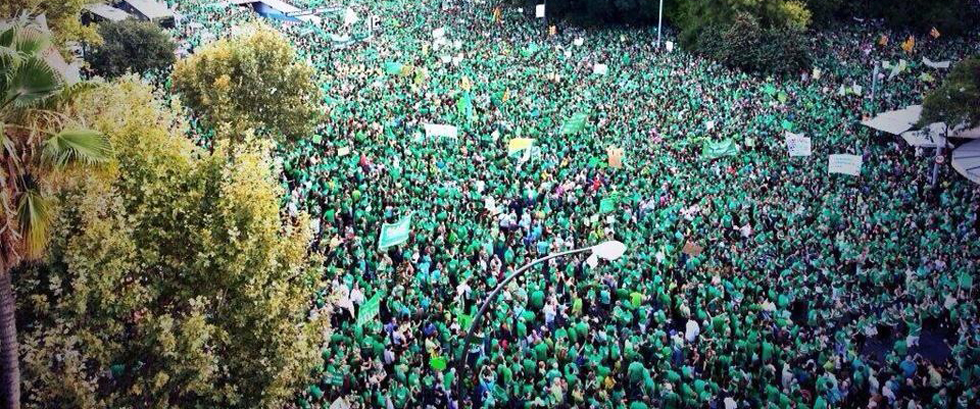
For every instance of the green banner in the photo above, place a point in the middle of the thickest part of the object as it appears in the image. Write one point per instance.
(575, 124)
(715, 150)
(393, 234)
(369, 310)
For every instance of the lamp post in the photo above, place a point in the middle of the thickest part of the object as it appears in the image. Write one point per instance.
(660, 23)
(609, 250)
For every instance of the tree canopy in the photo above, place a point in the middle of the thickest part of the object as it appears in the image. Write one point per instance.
(131, 45)
(250, 81)
(172, 281)
(957, 100)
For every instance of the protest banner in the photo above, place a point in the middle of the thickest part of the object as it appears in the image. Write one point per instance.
(798, 145)
(519, 144)
(934, 64)
(670, 46)
(615, 157)
(714, 150)
(845, 164)
(539, 11)
(575, 124)
(393, 234)
(692, 249)
(340, 403)
(447, 131)
(369, 310)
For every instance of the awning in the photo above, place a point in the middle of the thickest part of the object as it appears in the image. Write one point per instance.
(928, 137)
(895, 122)
(966, 161)
(106, 12)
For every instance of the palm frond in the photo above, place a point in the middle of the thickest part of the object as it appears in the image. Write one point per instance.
(34, 217)
(31, 41)
(31, 83)
(83, 146)
(7, 37)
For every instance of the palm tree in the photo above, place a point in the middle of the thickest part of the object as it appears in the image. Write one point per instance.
(36, 142)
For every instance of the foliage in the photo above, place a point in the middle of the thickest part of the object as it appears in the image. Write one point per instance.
(949, 16)
(62, 18)
(957, 100)
(172, 281)
(131, 45)
(250, 81)
(32, 121)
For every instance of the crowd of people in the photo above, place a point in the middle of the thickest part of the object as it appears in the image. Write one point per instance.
(751, 280)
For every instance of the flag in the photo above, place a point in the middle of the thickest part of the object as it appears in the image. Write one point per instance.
(552, 31)
(608, 203)
(883, 40)
(715, 150)
(909, 44)
(496, 14)
(519, 144)
(925, 77)
(934, 33)
(393, 68)
(369, 310)
(465, 83)
(393, 234)
(575, 124)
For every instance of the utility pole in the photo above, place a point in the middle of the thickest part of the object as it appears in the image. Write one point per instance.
(660, 23)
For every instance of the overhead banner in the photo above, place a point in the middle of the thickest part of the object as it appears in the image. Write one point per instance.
(798, 145)
(393, 234)
(519, 144)
(845, 164)
(447, 131)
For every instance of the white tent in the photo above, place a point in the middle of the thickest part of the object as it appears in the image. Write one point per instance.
(895, 122)
(928, 137)
(962, 132)
(966, 160)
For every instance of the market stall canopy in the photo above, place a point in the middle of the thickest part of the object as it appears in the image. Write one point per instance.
(966, 160)
(929, 137)
(895, 122)
(106, 12)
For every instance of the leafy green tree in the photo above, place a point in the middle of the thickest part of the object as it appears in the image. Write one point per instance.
(173, 280)
(250, 81)
(62, 18)
(957, 100)
(131, 45)
(38, 144)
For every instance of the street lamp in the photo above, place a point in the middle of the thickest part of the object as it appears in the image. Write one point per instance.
(660, 22)
(609, 250)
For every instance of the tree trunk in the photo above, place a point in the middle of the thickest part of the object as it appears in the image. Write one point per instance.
(10, 386)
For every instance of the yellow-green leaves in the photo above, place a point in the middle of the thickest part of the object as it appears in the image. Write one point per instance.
(83, 146)
(34, 217)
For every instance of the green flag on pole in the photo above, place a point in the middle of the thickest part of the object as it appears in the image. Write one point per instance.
(393, 68)
(715, 150)
(369, 310)
(393, 234)
(608, 203)
(438, 363)
(575, 124)
(465, 106)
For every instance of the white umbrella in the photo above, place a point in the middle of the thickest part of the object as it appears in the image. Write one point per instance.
(966, 160)
(896, 122)
(929, 137)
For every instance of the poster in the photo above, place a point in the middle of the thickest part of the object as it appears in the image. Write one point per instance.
(539, 11)
(692, 249)
(845, 164)
(798, 145)
(615, 157)
(447, 131)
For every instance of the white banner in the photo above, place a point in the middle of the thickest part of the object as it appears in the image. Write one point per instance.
(670, 46)
(539, 11)
(933, 64)
(447, 131)
(600, 69)
(845, 164)
(798, 145)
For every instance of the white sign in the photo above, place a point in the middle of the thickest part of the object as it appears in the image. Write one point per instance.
(670, 46)
(438, 33)
(710, 125)
(600, 69)
(845, 164)
(933, 64)
(579, 41)
(447, 131)
(798, 145)
(539, 11)
(350, 17)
